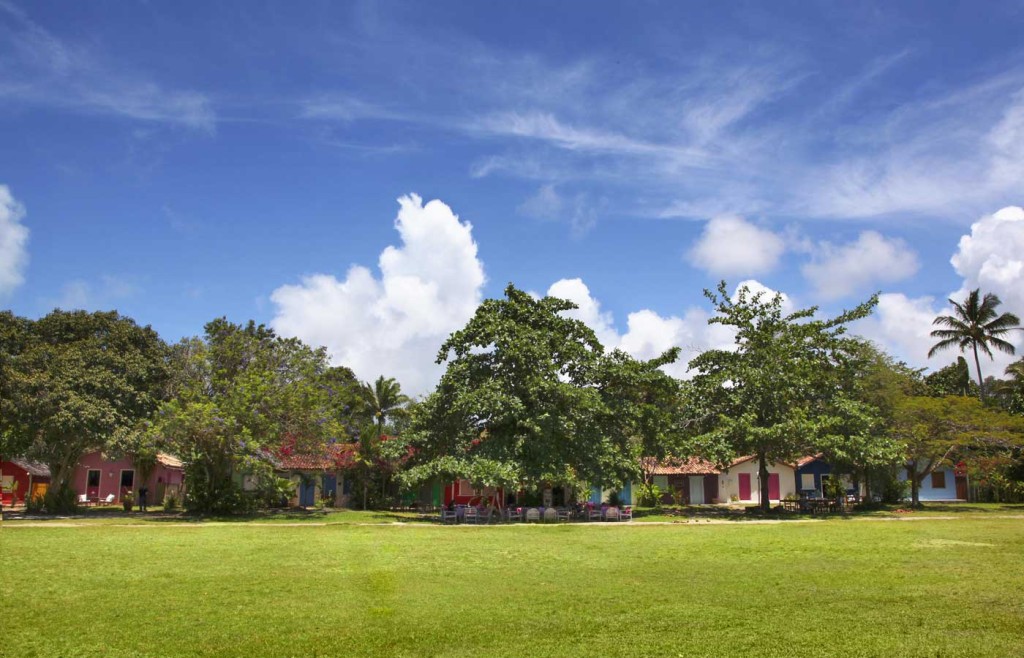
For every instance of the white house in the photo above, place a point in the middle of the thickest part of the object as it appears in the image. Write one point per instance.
(740, 482)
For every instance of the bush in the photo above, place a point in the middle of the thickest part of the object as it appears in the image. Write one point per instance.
(170, 502)
(60, 500)
(615, 499)
(887, 485)
(34, 504)
(650, 495)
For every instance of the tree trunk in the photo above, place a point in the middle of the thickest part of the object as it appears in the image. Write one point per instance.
(981, 382)
(915, 483)
(762, 475)
(867, 485)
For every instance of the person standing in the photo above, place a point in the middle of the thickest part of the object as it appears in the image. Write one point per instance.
(143, 491)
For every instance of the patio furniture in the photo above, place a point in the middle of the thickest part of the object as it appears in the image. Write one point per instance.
(449, 516)
(611, 514)
(533, 514)
(109, 500)
(593, 514)
(83, 499)
(626, 514)
(514, 514)
(470, 515)
(563, 514)
(550, 514)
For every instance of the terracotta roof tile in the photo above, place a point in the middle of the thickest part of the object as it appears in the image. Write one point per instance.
(690, 466)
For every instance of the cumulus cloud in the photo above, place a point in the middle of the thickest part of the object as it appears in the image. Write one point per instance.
(589, 311)
(732, 246)
(392, 324)
(13, 242)
(902, 326)
(837, 271)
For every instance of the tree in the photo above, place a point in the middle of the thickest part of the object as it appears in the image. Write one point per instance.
(954, 379)
(382, 401)
(240, 394)
(74, 379)
(526, 400)
(935, 429)
(774, 395)
(975, 324)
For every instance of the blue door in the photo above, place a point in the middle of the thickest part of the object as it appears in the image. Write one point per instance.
(307, 492)
(330, 488)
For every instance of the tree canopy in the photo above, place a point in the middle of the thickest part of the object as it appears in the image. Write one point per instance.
(777, 393)
(529, 397)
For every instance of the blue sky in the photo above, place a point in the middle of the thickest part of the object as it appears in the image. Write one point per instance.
(182, 161)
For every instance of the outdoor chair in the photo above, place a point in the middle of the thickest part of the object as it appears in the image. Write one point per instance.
(550, 514)
(626, 514)
(449, 516)
(611, 514)
(594, 514)
(515, 514)
(83, 499)
(563, 514)
(533, 514)
(470, 515)
(109, 500)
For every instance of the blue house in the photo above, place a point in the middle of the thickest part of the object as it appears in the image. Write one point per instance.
(941, 484)
(812, 472)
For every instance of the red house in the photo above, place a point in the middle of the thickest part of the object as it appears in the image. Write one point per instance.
(97, 478)
(21, 479)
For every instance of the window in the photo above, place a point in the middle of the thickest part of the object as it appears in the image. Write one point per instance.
(661, 481)
(806, 481)
(93, 478)
(466, 488)
(128, 479)
(939, 480)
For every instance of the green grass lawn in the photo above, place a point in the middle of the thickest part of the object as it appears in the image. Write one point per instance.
(931, 587)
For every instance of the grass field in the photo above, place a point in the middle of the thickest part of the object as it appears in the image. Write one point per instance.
(928, 587)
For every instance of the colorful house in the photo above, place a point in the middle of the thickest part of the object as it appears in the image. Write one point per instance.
(942, 484)
(740, 482)
(813, 472)
(695, 480)
(21, 479)
(317, 475)
(97, 478)
(462, 492)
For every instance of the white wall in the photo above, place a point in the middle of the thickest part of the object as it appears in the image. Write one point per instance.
(729, 481)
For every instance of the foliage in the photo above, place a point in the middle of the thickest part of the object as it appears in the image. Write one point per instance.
(529, 398)
(382, 408)
(954, 379)
(975, 324)
(241, 393)
(935, 430)
(650, 495)
(34, 504)
(170, 502)
(776, 395)
(72, 380)
(615, 499)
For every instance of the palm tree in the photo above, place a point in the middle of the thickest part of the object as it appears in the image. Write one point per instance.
(380, 401)
(974, 324)
(383, 400)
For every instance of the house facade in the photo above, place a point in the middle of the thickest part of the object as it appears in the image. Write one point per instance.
(22, 479)
(97, 478)
(740, 482)
(812, 474)
(942, 484)
(317, 476)
(695, 481)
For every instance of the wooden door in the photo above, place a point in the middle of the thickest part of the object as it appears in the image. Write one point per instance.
(773, 486)
(961, 487)
(744, 486)
(710, 488)
(696, 490)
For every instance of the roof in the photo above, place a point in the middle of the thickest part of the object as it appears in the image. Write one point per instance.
(689, 466)
(334, 456)
(803, 461)
(747, 458)
(33, 468)
(168, 461)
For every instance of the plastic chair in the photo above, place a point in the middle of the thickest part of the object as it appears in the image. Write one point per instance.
(449, 516)
(533, 514)
(515, 514)
(611, 514)
(563, 514)
(470, 515)
(594, 514)
(550, 514)
(626, 514)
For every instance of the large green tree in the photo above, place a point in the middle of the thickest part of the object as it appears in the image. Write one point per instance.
(775, 394)
(975, 324)
(73, 380)
(241, 394)
(529, 398)
(380, 404)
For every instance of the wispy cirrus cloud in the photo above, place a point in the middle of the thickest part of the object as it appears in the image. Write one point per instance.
(38, 69)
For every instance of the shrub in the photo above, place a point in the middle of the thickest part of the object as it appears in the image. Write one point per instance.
(60, 500)
(615, 499)
(34, 504)
(170, 502)
(650, 495)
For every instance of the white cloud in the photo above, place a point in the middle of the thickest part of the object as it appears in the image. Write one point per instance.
(392, 325)
(730, 245)
(837, 271)
(13, 242)
(102, 294)
(578, 210)
(902, 326)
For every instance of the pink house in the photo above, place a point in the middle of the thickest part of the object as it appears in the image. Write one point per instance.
(97, 477)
